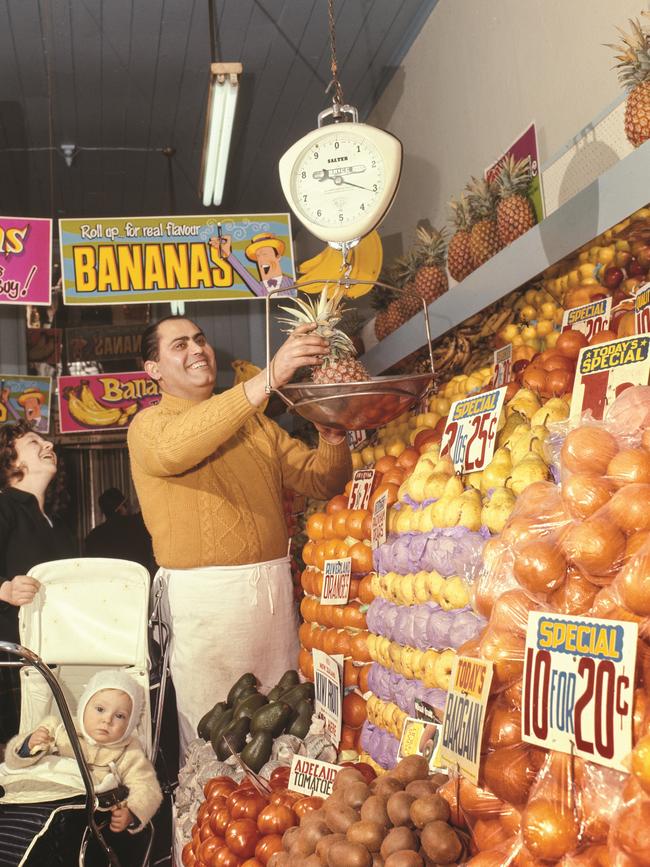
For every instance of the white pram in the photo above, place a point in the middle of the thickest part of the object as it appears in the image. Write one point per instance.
(89, 614)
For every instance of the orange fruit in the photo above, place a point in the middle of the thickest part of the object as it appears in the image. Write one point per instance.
(361, 555)
(314, 526)
(385, 463)
(354, 710)
(353, 618)
(365, 590)
(340, 501)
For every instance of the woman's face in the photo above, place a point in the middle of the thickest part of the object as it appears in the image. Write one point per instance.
(35, 457)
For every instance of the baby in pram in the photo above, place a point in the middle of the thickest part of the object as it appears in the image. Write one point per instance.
(108, 713)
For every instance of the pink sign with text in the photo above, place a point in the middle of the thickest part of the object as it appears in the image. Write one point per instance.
(25, 260)
(106, 401)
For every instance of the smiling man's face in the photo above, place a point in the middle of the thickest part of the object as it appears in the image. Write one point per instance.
(186, 365)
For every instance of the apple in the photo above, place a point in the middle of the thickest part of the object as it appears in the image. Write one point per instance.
(635, 268)
(643, 257)
(612, 277)
(519, 367)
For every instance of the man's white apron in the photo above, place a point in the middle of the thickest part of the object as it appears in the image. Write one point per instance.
(223, 622)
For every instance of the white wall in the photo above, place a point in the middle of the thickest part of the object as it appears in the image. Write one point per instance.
(478, 73)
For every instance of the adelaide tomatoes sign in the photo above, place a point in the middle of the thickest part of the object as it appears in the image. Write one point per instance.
(579, 686)
(604, 371)
(470, 434)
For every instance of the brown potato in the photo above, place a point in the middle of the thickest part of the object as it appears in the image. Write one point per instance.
(398, 839)
(440, 843)
(279, 859)
(311, 861)
(412, 768)
(345, 854)
(374, 810)
(398, 807)
(369, 834)
(421, 788)
(338, 818)
(386, 786)
(289, 837)
(429, 809)
(355, 794)
(324, 844)
(377, 860)
(404, 858)
(309, 836)
(347, 776)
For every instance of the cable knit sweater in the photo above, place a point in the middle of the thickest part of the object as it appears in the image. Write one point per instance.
(209, 476)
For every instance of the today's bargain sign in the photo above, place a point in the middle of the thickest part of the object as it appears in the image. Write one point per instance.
(88, 404)
(579, 686)
(462, 728)
(470, 433)
(25, 260)
(155, 260)
(604, 371)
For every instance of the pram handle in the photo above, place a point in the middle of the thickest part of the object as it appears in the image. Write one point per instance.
(66, 717)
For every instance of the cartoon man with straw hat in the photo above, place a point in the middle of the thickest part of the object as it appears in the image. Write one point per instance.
(266, 250)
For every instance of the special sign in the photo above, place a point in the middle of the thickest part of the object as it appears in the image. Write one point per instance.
(604, 371)
(154, 260)
(642, 309)
(590, 318)
(462, 729)
(502, 366)
(470, 434)
(579, 686)
(362, 484)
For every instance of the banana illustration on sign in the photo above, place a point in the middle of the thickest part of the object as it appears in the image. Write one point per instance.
(86, 409)
(366, 259)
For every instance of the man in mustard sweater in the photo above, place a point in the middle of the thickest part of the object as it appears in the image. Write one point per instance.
(209, 472)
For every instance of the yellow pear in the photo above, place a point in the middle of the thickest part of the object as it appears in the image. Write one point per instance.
(454, 594)
(427, 522)
(375, 584)
(454, 487)
(531, 469)
(497, 471)
(420, 587)
(526, 402)
(497, 511)
(555, 409)
(514, 421)
(445, 465)
(407, 590)
(434, 584)
(532, 441)
(448, 512)
(470, 510)
(403, 521)
(474, 479)
(435, 486)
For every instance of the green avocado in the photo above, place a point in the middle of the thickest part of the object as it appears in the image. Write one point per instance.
(224, 720)
(271, 718)
(275, 693)
(249, 704)
(295, 695)
(208, 720)
(246, 681)
(301, 723)
(257, 751)
(231, 739)
(289, 678)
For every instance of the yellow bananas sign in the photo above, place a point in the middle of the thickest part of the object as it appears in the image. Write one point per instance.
(326, 267)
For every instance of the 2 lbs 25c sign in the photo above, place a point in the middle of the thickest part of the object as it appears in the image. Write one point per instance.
(470, 434)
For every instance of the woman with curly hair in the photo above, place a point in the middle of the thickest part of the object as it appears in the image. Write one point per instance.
(27, 537)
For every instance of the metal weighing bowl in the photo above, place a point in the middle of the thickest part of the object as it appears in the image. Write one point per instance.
(356, 405)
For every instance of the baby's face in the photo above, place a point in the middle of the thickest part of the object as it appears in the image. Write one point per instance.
(107, 714)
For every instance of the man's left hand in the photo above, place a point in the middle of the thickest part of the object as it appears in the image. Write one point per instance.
(332, 435)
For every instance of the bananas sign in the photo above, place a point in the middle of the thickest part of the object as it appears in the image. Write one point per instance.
(26, 397)
(25, 258)
(104, 402)
(155, 260)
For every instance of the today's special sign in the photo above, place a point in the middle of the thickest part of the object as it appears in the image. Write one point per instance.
(579, 686)
(155, 260)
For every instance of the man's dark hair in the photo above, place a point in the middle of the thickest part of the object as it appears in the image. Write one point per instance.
(9, 433)
(150, 347)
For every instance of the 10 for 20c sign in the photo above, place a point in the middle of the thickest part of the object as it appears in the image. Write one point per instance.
(579, 686)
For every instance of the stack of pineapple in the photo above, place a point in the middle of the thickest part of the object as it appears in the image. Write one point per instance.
(633, 64)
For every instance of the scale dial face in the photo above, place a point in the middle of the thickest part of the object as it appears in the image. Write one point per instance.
(341, 179)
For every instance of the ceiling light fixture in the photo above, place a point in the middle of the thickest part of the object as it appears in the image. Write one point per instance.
(222, 101)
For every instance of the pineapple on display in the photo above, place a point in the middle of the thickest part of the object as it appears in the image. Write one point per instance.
(484, 238)
(340, 364)
(459, 255)
(429, 255)
(634, 74)
(515, 214)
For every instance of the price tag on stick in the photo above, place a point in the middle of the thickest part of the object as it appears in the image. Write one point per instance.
(328, 693)
(604, 371)
(462, 729)
(590, 318)
(502, 366)
(470, 434)
(361, 490)
(356, 437)
(336, 581)
(642, 309)
(578, 689)
(379, 515)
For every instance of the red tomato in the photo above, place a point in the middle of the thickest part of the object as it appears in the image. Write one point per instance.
(225, 858)
(284, 796)
(242, 837)
(252, 862)
(268, 846)
(204, 809)
(276, 819)
(188, 857)
(280, 778)
(205, 830)
(246, 803)
(219, 821)
(209, 848)
(219, 786)
(363, 768)
(307, 805)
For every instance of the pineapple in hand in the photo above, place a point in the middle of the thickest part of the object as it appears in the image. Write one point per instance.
(340, 364)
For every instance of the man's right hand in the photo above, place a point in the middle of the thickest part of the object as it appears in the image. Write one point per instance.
(301, 349)
(19, 591)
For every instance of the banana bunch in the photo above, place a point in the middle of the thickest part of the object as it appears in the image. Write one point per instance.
(326, 266)
(245, 370)
(86, 409)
